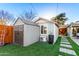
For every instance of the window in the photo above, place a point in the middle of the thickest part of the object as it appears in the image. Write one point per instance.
(43, 30)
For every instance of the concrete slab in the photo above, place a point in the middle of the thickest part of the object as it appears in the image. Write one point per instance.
(67, 51)
(66, 45)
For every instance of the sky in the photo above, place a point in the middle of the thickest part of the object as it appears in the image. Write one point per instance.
(44, 10)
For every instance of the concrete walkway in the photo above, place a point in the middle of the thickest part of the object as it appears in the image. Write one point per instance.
(66, 48)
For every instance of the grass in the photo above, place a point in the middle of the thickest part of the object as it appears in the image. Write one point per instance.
(36, 49)
(74, 45)
(56, 47)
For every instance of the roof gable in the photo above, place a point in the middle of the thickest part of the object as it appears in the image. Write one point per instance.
(42, 20)
(20, 21)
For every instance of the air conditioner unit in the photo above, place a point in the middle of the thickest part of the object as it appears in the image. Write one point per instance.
(43, 38)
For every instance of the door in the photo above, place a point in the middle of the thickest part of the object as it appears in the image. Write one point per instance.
(18, 34)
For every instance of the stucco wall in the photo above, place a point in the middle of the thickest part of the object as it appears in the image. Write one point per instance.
(31, 34)
(56, 33)
(50, 28)
(45, 25)
(53, 30)
(69, 31)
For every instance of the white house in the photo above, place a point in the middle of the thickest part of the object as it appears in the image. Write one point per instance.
(26, 32)
(73, 29)
(47, 27)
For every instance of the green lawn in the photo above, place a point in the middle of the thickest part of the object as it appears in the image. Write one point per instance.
(36, 49)
(74, 45)
(56, 47)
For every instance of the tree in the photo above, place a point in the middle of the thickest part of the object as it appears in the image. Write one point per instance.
(28, 15)
(60, 19)
(6, 17)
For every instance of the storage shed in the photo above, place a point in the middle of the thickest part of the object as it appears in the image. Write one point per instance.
(25, 32)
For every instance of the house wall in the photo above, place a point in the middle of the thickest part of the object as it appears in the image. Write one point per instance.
(69, 31)
(44, 36)
(51, 29)
(44, 24)
(56, 33)
(31, 34)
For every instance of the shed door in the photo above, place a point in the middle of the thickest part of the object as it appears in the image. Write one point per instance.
(18, 33)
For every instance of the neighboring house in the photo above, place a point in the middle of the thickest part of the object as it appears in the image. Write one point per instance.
(73, 29)
(47, 28)
(26, 32)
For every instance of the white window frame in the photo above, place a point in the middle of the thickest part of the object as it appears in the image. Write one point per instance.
(43, 29)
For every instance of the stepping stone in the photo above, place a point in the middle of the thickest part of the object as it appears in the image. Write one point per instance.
(65, 45)
(66, 54)
(65, 42)
(72, 52)
(64, 39)
(60, 55)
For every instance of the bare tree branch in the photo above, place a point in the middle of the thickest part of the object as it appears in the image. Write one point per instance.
(28, 15)
(6, 16)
